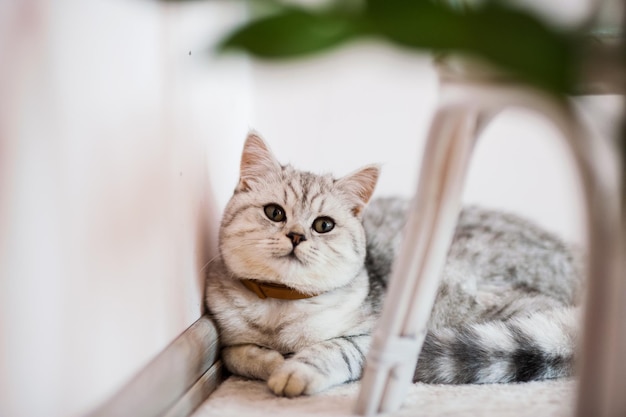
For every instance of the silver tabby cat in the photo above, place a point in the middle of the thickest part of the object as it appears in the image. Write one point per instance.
(505, 311)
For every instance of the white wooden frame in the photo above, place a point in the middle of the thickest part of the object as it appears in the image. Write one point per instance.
(174, 383)
(466, 105)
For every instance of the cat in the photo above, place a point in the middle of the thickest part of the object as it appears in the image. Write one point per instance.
(304, 262)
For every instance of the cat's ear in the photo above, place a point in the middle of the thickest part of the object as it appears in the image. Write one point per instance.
(257, 161)
(360, 185)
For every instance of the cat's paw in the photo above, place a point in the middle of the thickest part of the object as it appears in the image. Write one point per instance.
(295, 378)
(252, 361)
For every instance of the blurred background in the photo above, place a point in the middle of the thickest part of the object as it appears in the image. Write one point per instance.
(120, 137)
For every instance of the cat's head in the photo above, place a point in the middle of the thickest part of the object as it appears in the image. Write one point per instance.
(293, 227)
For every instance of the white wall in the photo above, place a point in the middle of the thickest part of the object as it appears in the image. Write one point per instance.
(108, 127)
(119, 146)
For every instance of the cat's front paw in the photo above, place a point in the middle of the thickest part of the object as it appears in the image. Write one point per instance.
(252, 361)
(295, 378)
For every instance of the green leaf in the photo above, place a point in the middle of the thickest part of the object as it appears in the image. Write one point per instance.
(510, 38)
(291, 33)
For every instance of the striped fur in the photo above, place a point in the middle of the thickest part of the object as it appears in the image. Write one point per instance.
(505, 310)
(523, 348)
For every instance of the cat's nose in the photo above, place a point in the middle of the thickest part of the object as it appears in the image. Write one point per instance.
(296, 238)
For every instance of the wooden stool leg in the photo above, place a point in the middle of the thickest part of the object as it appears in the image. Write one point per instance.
(413, 285)
(602, 370)
(602, 376)
(401, 329)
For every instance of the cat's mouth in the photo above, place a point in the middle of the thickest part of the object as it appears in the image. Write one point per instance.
(293, 256)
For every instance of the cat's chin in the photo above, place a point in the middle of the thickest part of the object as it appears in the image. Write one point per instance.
(313, 281)
(293, 257)
(291, 268)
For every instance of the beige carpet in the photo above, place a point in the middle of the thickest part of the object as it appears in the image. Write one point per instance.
(240, 397)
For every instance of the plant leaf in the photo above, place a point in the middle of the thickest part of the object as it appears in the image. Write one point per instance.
(513, 39)
(291, 33)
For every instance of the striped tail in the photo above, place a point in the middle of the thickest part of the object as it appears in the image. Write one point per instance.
(538, 346)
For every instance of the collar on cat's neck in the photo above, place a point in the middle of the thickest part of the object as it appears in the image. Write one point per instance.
(267, 289)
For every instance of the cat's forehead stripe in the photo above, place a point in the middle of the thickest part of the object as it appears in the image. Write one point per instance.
(314, 199)
(305, 181)
(304, 187)
(293, 190)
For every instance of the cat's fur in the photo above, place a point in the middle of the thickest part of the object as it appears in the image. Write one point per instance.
(505, 310)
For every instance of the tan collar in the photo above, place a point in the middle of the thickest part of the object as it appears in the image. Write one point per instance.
(266, 289)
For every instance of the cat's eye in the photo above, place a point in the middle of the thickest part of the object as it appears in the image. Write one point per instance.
(323, 224)
(274, 212)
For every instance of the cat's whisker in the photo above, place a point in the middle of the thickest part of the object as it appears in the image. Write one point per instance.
(209, 262)
(250, 242)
